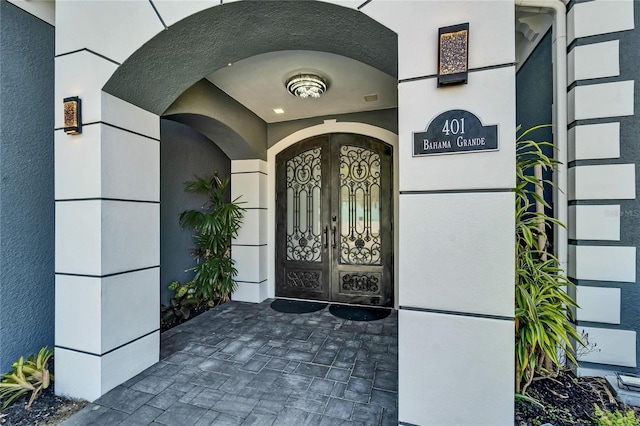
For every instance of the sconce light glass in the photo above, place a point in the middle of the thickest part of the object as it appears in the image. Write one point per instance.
(453, 54)
(72, 115)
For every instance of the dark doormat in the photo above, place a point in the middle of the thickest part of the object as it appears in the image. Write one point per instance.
(359, 313)
(296, 306)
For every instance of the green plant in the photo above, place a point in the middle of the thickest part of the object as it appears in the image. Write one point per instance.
(181, 304)
(214, 226)
(607, 418)
(30, 375)
(527, 398)
(543, 316)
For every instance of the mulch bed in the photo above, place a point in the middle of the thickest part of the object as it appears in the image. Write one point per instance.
(567, 400)
(47, 410)
(174, 321)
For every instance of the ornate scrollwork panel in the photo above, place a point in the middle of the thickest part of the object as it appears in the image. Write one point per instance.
(360, 283)
(360, 206)
(307, 280)
(304, 183)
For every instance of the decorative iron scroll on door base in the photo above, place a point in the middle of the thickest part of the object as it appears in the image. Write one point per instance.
(360, 283)
(304, 279)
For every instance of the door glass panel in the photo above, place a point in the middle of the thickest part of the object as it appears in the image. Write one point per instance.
(304, 184)
(360, 206)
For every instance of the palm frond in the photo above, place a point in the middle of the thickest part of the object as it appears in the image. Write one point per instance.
(542, 305)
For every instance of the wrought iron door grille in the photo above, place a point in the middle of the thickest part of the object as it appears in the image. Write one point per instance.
(304, 183)
(360, 206)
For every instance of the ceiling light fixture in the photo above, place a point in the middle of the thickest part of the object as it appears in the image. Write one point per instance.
(278, 110)
(307, 85)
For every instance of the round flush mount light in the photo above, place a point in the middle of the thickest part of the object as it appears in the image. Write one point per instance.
(307, 85)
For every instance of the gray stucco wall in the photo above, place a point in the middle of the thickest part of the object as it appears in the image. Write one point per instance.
(26, 184)
(239, 132)
(183, 154)
(629, 209)
(172, 61)
(534, 89)
(534, 102)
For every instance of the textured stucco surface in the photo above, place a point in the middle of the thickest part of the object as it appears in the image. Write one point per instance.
(534, 101)
(183, 154)
(167, 65)
(629, 209)
(26, 184)
(534, 89)
(386, 119)
(240, 133)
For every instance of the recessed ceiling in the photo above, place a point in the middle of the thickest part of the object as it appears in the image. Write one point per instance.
(258, 83)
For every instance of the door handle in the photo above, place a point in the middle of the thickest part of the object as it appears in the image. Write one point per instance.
(326, 236)
(334, 237)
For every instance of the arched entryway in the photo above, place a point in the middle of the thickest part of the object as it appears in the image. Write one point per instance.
(133, 61)
(180, 74)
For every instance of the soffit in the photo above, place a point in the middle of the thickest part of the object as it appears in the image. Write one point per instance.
(258, 83)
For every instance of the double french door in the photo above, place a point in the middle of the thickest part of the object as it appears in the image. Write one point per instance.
(334, 223)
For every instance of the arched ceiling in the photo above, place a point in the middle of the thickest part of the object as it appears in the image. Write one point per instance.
(258, 83)
(167, 65)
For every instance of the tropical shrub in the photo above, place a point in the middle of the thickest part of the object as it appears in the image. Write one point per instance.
(214, 226)
(616, 418)
(181, 305)
(31, 375)
(543, 308)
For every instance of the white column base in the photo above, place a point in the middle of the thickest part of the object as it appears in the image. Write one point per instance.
(447, 358)
(89, 376)
(251, 292)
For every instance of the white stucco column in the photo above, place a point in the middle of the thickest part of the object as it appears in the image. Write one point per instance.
(456, 221)
(249, 249)
(107, 250)
(107, 191)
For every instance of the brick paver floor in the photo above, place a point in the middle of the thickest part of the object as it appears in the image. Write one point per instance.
(246, 364)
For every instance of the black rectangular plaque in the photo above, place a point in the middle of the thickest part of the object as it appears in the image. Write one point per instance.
(455, 132)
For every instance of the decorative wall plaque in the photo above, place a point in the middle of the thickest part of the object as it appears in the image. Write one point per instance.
(455, 132)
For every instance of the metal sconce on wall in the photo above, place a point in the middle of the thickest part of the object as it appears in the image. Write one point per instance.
(453, 54)
(72, 115)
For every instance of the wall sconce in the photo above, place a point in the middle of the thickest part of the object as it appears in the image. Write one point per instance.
(72, 115)
(453, 54)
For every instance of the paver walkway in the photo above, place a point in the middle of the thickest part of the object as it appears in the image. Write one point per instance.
(245, 364)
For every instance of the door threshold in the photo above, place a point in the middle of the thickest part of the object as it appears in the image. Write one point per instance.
(334, 303)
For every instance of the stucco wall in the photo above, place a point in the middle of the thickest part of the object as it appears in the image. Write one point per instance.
(183, 154)
(386, 119)
(26, 184)
(534, 102)
(534, 89)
